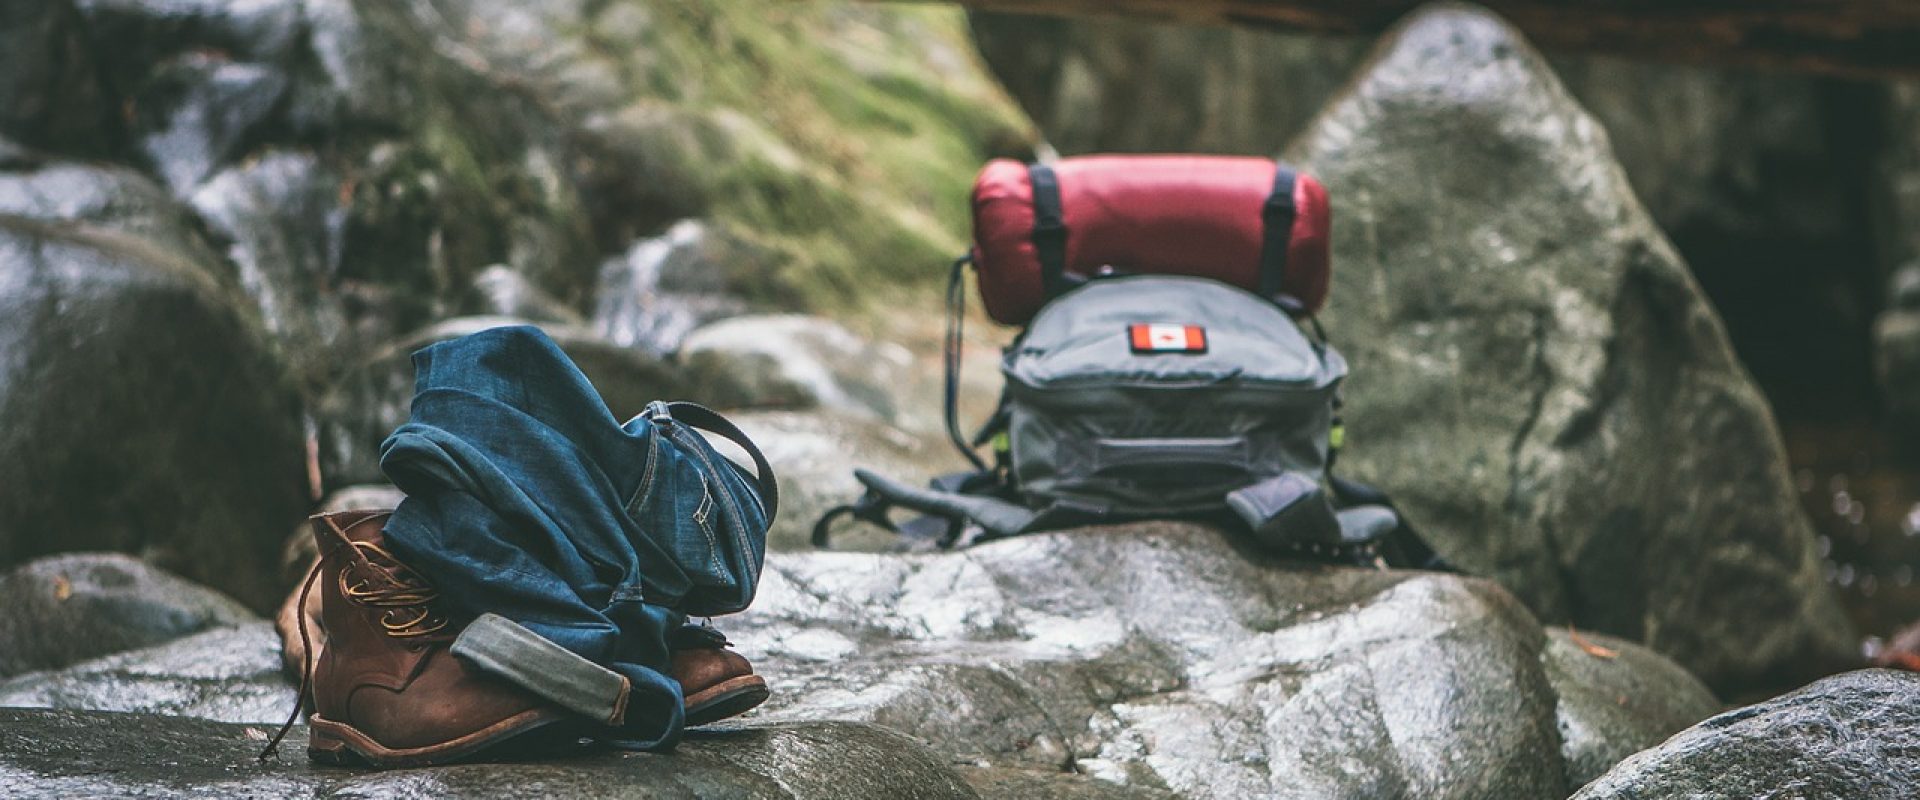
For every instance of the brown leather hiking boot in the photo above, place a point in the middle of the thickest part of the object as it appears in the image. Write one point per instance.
(718, 683)
(385, 689)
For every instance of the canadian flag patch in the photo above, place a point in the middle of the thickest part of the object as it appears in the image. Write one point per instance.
(1164, 338)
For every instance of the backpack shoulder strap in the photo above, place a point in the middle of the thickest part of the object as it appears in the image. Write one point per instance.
(994, 516)
(706, 419)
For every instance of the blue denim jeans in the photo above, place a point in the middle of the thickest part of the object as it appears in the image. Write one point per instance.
(526, 498)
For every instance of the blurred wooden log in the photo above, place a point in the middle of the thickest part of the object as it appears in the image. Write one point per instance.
(1858, 38)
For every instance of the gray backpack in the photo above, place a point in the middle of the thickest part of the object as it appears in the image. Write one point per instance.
(1152, 397)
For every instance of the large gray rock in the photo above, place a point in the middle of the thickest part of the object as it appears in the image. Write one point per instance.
(371, 399)
(1615, 696)
(1852, 736)
(231, 674)
(1165, 657)
(95, 754)
(64, 609)
(1168, 657)
(145, 412)
(1540, 382)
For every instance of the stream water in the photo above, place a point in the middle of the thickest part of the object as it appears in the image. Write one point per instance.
(1863, 496)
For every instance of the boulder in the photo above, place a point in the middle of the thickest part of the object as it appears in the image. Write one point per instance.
(97, 754)
(814, 455)
(1147, 660)
(146, 413)
(63, 609)
(1538, 380)
(795, 362)
(1614, 697)
(1853, 735)
(373, 398)
(230, 674)
(1172, 658)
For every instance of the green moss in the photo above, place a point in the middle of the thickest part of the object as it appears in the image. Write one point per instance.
(851, 133)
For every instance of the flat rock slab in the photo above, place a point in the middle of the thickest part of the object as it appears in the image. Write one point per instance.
(1169, 658)
(101, 754)
(1855, 736)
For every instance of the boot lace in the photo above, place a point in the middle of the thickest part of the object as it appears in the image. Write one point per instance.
(405, 599)
(376, 580)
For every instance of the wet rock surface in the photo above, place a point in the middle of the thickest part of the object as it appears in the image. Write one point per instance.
(1151, 660)
(73, 754)
(1615, 696)
(69, 608)
(1851, 736)
(1544, 389)
(1166, 658)
(145, 411)
(228, 673)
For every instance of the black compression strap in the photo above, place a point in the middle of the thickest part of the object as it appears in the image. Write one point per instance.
(1049, 229)
(1277, 216)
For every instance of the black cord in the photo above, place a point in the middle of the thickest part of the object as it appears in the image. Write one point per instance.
(956, 326)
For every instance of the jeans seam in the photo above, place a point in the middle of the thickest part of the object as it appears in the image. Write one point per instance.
(645, 486)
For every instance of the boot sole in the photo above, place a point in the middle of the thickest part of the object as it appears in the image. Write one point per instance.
(729, 698)
(340, 744)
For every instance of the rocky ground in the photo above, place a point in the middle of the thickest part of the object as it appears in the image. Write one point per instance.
(245, 215)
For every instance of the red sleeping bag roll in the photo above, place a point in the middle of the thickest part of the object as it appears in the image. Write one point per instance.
(1249, 222)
